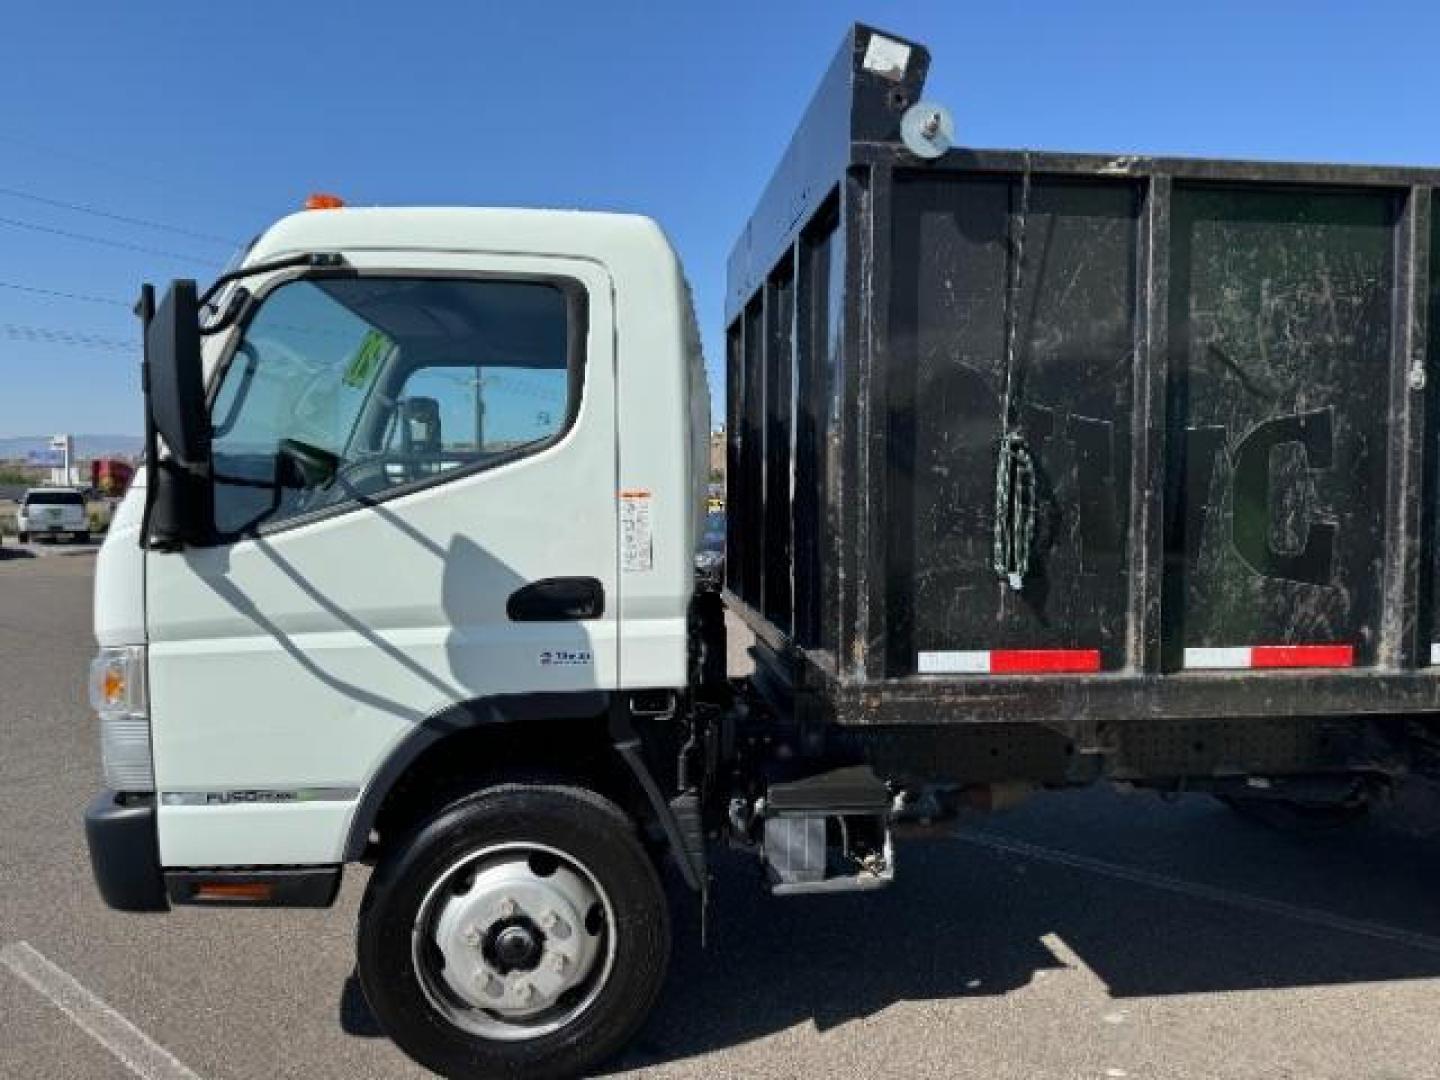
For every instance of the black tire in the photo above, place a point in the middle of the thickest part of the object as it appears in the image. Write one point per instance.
(84, 537)
(598, 836)
(1299, 818)
(24, 538)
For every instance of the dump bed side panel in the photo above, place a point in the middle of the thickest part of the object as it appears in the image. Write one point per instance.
(820, 307)
(1429, 613)
(1012, 312)
(1282, 306)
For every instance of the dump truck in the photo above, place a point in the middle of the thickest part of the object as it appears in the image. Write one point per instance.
(1043, 470)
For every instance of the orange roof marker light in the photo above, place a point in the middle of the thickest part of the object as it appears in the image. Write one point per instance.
(322, 201)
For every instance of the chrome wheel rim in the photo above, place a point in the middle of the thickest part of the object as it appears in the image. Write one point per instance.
(514, 941)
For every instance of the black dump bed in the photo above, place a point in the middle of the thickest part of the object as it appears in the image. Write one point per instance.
(1018, 435)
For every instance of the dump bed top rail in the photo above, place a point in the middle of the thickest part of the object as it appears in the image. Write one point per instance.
(854, 119)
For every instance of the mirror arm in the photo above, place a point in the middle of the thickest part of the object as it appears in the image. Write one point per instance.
(239, 300)
(311, 258)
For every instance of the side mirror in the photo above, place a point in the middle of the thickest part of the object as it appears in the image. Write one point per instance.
(180, 499)
(175, 380)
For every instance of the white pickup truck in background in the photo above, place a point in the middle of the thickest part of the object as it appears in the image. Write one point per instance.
(53, 512)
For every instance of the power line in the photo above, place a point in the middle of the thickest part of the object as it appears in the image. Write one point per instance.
(54, 336)
(146, 223)
(110, 165)
(59, 294)
(14, 223)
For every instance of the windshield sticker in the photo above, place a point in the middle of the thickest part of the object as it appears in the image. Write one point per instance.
(366, 361)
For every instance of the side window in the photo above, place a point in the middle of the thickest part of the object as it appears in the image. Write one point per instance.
(452, 416)
(343, 388)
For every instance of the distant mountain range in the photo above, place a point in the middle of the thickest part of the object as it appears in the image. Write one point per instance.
(86, 446)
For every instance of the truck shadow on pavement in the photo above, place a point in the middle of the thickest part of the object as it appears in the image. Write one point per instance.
(1220, 905)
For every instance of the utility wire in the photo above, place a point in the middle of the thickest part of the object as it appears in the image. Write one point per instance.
(52, 335)
(111, 167)
(15, 223)
(81, 208)
(59, 294)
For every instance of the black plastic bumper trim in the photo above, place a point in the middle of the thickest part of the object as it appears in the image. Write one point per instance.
(125, 851)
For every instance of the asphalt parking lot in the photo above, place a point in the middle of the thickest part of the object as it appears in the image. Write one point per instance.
(11, 548)
(1080, 935)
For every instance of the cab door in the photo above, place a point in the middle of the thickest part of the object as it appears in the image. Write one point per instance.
(415, 477)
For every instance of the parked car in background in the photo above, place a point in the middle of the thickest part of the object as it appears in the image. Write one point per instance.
(710, 558)
(52, 512)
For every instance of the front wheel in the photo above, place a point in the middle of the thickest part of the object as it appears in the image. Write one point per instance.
(521, 932)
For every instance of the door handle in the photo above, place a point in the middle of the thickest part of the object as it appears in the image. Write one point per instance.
(557, 599)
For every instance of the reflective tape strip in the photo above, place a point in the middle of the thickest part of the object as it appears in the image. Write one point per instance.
(954, 663)
(1244, 657)
(1077, 660)
(1008, 661)
(1218, 658)
(1273, 656)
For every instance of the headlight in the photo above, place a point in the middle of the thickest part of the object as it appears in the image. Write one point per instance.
(119, 695)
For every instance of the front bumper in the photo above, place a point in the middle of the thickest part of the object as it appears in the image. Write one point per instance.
(125, 852)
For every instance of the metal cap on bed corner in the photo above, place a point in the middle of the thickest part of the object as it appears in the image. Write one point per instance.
(887, 76)
(875, 77)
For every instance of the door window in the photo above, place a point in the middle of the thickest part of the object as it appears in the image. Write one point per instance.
(345, 389)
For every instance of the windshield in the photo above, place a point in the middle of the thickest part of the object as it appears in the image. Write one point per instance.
(54, 498)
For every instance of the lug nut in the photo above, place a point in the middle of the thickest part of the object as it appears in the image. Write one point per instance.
(559, 962)
(471, 935)
(506, 908)
(494, 987)
(553, 923)
(526, 992)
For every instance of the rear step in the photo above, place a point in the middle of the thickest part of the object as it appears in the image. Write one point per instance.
(828, 833)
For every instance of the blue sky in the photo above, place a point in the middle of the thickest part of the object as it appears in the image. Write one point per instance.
(215, 119)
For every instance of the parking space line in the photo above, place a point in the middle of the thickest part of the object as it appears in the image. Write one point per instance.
(136, 1051)
(1246, 901)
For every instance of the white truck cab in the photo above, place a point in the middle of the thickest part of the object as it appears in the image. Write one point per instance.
(453, 476)
(51, 513)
